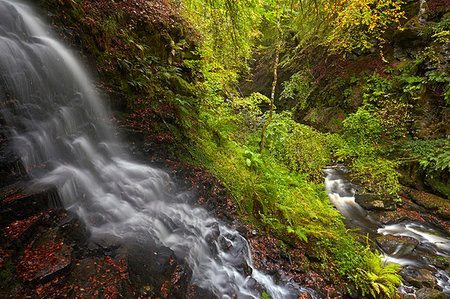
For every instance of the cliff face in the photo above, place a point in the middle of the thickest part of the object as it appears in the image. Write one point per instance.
(137, 47)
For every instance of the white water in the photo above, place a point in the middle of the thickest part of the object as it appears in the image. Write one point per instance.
(422, 10)
(342, 195)
(60, 129)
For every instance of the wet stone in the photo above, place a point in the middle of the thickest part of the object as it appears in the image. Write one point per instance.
(21, 205)
(419, 278)
(396, 245)
(374, 202)
(427, 293)
(155, 270)
(45, 259)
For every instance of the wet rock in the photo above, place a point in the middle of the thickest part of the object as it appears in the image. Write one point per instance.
(431, 202)
(155, 269)
(396, 246)
(20, 231)
(11, 168)
(45, 259)
(100, 277)
(427, 293)
(388, 217)
(419, 278)
(374, 203)
(440, 262)
(23, 204)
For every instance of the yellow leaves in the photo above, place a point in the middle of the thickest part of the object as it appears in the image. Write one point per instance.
(356, 22)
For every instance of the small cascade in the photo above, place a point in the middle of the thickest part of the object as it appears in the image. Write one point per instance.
(422, 11)
(60, 129)
(413, 256)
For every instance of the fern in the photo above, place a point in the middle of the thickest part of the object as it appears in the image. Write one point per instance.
(383, 279)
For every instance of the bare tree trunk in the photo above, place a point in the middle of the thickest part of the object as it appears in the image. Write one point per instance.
(275, 78)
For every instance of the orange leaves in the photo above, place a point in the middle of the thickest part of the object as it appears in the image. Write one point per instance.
(15, 229)
(43, 260)
(13, 197)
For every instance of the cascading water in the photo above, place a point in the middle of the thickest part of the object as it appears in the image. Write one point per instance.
(412, 258)
(60, 129)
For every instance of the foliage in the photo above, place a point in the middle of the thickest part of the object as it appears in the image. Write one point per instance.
(433, 155)
(383, 279)
(362, 131)
(228, 31)
(299, 147)
(355, 24)
(297, 89)
(360, 141)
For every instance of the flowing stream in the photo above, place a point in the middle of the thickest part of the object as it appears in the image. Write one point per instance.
(413, 256)
(60, 128)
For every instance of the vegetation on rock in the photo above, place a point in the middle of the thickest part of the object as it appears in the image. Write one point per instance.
(350, 89)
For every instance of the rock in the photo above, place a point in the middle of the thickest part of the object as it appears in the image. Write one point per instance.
(431, 202)
(157, 267)
(440, 262)
(419, 278)
(427, 293)
(388, 217)
(100, 277)
(45, 260)
(23, 204)
(11, 168)
(373, 202)
(396, 246)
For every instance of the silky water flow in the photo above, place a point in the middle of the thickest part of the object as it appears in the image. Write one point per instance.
(56, 119)
(430, 241)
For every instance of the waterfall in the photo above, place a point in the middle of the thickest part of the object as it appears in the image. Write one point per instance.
(60, 129)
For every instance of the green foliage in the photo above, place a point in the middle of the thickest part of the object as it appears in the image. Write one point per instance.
(228, 31)
(437, 161)
(359, 144)
(433, 155)
(378, 174)
(297, 89)
(411, 85)
(383, 279)
(299, 147)
(376, 88)
(362, 131)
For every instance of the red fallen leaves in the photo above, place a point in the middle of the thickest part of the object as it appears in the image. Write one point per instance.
(46, 259)
(437, 5)
(15, 229)
(100, 278)
(13, 197)
(53, 289)
(165, 289)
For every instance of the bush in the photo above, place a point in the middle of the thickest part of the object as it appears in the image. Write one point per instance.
(301, 148)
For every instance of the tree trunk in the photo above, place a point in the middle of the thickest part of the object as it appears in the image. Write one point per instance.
(275, 78)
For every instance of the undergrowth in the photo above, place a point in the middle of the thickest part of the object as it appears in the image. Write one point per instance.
(281, 189)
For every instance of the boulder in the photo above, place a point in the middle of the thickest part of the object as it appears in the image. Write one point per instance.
(419, 278)
(373, 202)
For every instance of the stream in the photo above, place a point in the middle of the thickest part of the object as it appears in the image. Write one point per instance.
(60, 128)
(415, 246)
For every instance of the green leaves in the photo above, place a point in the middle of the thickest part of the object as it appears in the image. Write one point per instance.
(383, 279)
(299, 147)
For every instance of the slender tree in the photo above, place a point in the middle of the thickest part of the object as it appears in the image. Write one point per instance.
(275, 77)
